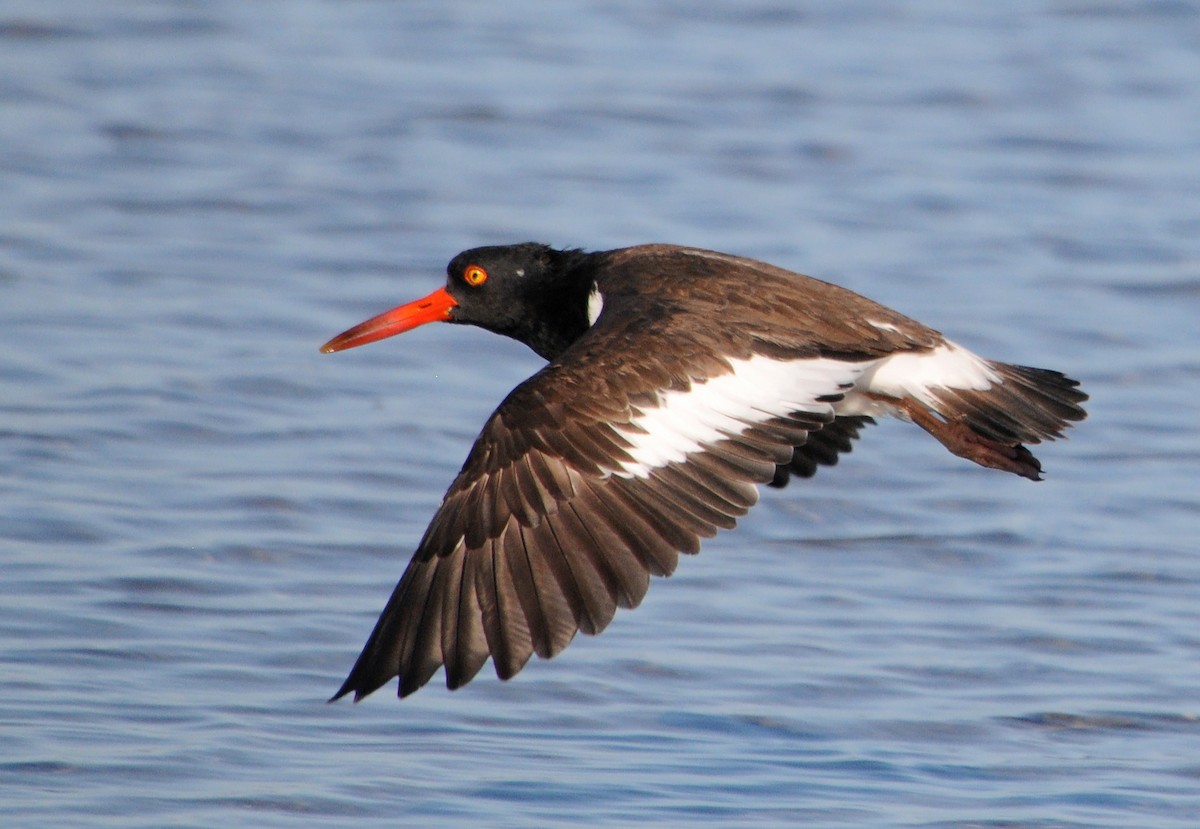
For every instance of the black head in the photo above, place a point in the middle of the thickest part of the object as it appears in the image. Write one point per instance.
(530, 292)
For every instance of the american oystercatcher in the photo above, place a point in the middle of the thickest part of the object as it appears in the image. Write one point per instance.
(678, 379)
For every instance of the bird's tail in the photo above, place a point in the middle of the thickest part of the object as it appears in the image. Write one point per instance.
(990, 426)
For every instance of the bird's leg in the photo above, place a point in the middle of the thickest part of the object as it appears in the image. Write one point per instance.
(957, 436)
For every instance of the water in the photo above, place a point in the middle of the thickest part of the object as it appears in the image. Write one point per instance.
(200, 516)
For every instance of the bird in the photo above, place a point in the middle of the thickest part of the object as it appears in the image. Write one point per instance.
(677, 381)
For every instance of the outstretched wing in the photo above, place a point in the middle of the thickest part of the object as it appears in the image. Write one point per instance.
(592, 476)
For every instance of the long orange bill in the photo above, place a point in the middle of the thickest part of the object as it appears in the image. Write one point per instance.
(433, 308)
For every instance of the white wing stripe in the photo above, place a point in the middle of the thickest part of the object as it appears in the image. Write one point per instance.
(917, 374)
(758, 389)
(761, 388)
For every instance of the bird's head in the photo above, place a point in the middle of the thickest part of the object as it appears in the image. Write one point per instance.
(530, 292)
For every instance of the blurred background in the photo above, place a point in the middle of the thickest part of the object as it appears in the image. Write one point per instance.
(201, 516)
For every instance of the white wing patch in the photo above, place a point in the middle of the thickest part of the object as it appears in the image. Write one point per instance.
(761, 388)
(918, 374)
(758, 389)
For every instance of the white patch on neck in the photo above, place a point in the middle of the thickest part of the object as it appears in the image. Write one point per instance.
(758, 389)
(595, 304)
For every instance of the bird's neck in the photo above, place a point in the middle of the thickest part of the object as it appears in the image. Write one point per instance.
(560, 308)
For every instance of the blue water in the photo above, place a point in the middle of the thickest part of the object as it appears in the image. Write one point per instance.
(200, 515)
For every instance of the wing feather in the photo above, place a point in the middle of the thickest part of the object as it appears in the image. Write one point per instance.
(552, 523)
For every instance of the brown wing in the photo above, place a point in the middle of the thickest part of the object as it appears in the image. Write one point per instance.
(544, 533)
(778, 309)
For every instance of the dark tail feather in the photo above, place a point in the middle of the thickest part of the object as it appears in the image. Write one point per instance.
(990, 426)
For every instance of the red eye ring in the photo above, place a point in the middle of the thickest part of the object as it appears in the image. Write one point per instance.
(474, 276)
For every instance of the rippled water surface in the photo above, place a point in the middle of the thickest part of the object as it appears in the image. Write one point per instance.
(200, 516)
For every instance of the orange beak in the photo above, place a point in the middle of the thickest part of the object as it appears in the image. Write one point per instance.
(433, 308)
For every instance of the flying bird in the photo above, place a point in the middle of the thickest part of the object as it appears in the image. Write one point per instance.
(678, 379)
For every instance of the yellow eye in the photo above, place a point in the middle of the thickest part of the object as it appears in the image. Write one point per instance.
(474, 276)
